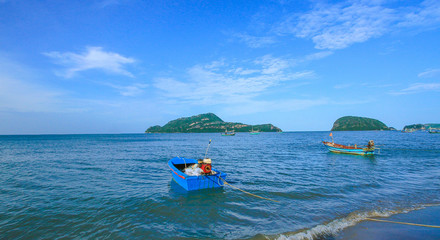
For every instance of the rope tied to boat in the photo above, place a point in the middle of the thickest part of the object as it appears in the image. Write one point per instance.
(224, 182)
(405, 223)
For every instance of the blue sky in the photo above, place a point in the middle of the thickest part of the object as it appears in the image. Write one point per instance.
(122, 66)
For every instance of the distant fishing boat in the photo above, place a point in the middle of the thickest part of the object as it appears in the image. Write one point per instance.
(434, 130)
(356, 150)
(254, 132)
(194, 174)
(226, 133)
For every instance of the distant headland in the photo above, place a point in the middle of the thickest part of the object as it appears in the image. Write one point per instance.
(421, 127)
(351, 123)
(207, 123)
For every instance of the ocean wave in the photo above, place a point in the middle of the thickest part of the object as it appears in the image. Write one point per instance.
(330, 229)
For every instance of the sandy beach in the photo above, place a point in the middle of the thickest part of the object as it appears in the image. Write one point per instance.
(383, 230)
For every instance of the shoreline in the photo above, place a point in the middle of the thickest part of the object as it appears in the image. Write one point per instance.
(372, 230)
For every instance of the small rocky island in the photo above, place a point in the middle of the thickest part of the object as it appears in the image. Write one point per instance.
(421, 127)
(206, 123)
(350, 123)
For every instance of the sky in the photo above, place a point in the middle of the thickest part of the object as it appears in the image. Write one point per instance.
(121, 66)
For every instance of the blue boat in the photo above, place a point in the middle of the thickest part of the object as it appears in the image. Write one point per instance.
(202, 175)
(356, 150)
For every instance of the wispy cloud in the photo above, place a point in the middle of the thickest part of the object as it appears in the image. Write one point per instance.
(22, 90)
(418, 88)
(130, 90)
(342, 86)
(254, 41)
(318, 55)
(271, 65)
(219, 82)
(426, 15)
(340, 25)
(92, 58)
(363, 85)
(429, 73)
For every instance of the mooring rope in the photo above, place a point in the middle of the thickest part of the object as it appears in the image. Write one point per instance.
(405, 223)
(224, 182)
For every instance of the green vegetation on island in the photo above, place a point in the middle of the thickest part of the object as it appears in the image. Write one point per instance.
(421, 127)
(208, 122)
(350, 123)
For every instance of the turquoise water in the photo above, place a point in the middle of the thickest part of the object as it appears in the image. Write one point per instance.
(119, 186)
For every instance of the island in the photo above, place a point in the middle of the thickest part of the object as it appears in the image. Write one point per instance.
(208, 123)
(351, 123)
(421, 127)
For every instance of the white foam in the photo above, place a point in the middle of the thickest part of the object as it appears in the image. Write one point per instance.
(333, 227)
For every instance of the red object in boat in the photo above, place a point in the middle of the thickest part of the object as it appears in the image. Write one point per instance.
(206, 168)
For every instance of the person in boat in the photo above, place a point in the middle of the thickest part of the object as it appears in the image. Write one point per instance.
(370, 144)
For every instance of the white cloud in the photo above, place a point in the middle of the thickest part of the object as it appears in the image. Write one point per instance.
(426, 15)
(340, 25)
(429, 73)
(130, 90)
(271, 65)
(22, 90)
(418, 88)
(241, 71)
(225, 83)
(92, 58)
(364, 85)
(318, 55)
(342, 86)
(253, 41)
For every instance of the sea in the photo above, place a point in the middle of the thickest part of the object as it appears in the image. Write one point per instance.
(118, 186)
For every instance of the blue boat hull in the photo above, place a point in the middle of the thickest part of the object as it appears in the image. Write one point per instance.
(192, 183)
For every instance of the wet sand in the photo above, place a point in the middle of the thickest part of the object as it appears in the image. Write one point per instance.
(372, 230)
